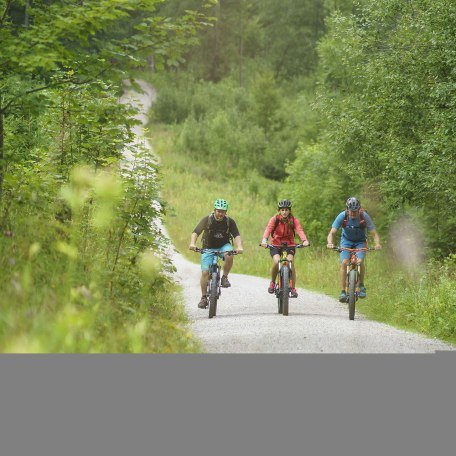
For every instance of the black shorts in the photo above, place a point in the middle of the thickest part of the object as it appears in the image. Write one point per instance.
(278, 250)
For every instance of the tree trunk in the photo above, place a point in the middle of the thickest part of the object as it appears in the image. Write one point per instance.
(27, 16)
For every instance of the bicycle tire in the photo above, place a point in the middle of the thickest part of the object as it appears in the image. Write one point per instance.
(351, 293)
(285, 292)
(213, 295)
(279, 299)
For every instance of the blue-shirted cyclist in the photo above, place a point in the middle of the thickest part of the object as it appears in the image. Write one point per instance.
(354, 222)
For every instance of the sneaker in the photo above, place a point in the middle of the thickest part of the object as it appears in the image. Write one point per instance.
(362, 291)
(203, 303)
(343, 296)
(224, 282)
(271, 288)
(293, 293)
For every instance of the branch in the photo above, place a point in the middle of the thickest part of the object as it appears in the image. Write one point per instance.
(53, 85)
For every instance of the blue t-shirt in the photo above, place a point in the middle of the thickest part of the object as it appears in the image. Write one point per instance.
(353, 232)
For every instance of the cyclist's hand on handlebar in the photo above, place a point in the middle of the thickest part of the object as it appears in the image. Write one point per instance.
(239, 251)
(330, 246)
(192, 247)
(264, 244)
(378, 247)
(305, 243)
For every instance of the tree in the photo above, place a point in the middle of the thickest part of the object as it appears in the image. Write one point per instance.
(387, 92)
(50, 44)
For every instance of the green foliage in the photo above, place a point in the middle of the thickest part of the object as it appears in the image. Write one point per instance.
(388, 78)
(78, 225)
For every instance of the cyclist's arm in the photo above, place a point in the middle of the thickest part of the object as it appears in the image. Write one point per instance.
(300, 231)
(371, 228)
(334, 227)
(193, 239)
(330, 238)
(238, 242)
(268, 230)
(376, 237)
(197, 231)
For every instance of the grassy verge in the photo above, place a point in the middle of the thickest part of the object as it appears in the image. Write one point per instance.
(425, 304)
(89, 279)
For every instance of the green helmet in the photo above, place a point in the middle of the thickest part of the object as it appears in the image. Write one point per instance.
(221, 204)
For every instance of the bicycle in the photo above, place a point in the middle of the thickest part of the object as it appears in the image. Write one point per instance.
(352, 277)
(284, 282)
(214, 288)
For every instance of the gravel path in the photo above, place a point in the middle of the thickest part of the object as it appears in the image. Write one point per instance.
(247, 320)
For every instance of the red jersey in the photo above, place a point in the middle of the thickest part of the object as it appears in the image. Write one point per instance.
(284, 231)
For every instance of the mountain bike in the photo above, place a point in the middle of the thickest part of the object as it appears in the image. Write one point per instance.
(214, 288)
(352, 277)
(284, 282)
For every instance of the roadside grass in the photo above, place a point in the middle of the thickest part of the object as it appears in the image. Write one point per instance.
(424, 303)
(77, 285)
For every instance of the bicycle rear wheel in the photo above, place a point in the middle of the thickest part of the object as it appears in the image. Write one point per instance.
(213, 295)
(351, 293)
(285, 292)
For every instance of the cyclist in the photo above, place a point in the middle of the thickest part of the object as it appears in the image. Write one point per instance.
(218, 230)
(354, 221)
(282, 227)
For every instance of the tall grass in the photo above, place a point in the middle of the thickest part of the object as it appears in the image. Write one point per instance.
(79, 274)
(424, 302)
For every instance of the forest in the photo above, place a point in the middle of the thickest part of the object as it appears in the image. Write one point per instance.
(313, 100)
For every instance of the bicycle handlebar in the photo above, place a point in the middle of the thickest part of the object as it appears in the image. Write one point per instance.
(297, 246)
(362, 249)
(216, 252)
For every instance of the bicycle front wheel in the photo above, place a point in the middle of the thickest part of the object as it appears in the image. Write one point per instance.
(279, 300)
(213, 295)
(285, 292)
(351, 293)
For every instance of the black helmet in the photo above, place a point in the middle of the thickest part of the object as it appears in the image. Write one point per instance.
(284, 203)
(353, 204)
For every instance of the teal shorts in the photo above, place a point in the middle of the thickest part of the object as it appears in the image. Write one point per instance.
(208, 257)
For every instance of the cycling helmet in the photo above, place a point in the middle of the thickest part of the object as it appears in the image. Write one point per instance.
(353, 204)
(221, 204)
(284, 203)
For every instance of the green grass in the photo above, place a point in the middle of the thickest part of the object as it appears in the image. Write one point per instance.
(62, 292)
(422, 303)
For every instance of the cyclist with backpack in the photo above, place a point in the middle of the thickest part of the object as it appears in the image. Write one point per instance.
(282, 227)
(353, 221)
(219, 231)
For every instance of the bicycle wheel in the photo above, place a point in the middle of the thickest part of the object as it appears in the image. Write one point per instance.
(279, 298)
(285, 293)
(213, 294)
(351, 293)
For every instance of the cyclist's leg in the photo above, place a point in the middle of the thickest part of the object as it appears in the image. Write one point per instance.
(206, 261)
(275, 263)
(344, 258)
(227, 259)
(291, 253)
(361, 255)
